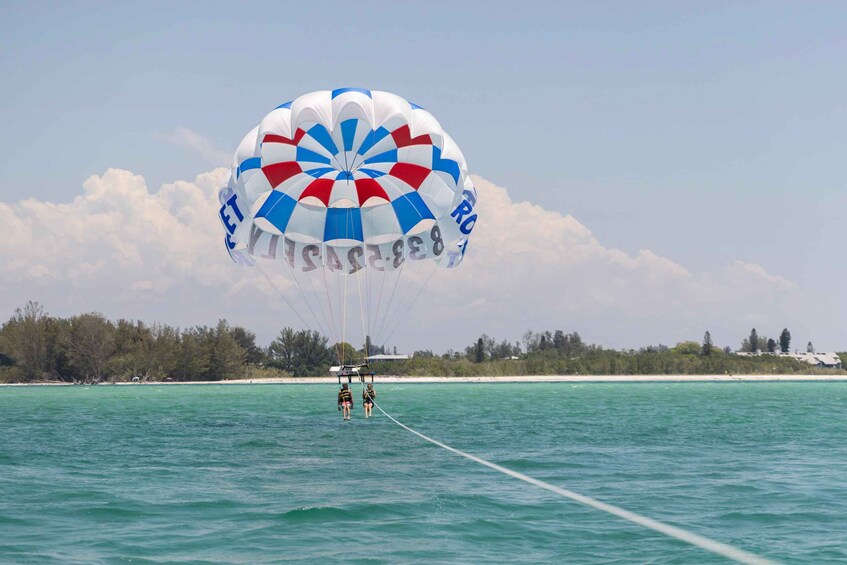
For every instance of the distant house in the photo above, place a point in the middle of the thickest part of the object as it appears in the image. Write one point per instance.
(821, 360)
(384, 357)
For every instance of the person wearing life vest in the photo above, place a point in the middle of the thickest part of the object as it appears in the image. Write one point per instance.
(368, 396)
(345, 401)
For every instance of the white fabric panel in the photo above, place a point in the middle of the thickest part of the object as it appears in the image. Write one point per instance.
(278, 122)
(307, 223)
(417, 154)
(393, 188)
(308, 142)
(302, 256)
(382, 167)
(379, 224)
(227, 189)
(247, 148)
(436, 194)
(362, 131)
(314, 107)
(265, 245)
(449, 150)
(385, 144)
(257, 185)
(277, 153)
(425, 123)
(390, 108)
(344, 195)
(352, 105)
(295, 186)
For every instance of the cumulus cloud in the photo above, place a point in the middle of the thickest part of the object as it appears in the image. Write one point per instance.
(205, 148)
(127, 251)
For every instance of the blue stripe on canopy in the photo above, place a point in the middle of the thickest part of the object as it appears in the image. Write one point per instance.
(411, 209)
(339, 91)
(319, 134)
(277, 209)
(286, 105)
(319, 171)
(343, 223)
(310, 156)
(247, 164)
(348, 132)
(387, 157)
(373, 173)
(372, 139)
(444, 165)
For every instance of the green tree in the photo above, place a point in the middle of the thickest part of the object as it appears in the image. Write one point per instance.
(707, 344)
(687, 348)
(771, 346)
(479, 352)
(346, 353)
(25, 340)
(194, 356)
(253, 354)
(227, 357)
(810, 348)
(90, 341)
(301, 353)
(784, 340)
(754, 341)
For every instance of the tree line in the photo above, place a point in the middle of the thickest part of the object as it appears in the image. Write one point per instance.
(88, 348)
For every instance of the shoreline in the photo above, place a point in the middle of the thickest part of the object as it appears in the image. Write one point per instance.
(502, 379)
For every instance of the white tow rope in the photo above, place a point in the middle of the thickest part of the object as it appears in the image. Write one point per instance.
(717, 547)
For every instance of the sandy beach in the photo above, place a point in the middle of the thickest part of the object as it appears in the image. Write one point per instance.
(504, 379)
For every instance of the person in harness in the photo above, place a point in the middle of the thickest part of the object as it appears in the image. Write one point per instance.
(368, 396)
(345, 401)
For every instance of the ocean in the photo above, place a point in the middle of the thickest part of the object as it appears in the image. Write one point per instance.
(270, 473)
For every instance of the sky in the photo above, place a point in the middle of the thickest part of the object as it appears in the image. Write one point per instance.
(646, 173)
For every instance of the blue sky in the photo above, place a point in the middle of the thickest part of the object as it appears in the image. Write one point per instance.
(707, 134)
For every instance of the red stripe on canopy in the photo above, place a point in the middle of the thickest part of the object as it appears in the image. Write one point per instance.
(369, 188)
(320, 189)
(411, 174)
(403, 137)
(278, 173)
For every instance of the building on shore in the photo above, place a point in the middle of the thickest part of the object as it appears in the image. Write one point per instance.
(821, 360)
(386, 357)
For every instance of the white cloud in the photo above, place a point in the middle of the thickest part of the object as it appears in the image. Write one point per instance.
(193, 140)
(128, 252)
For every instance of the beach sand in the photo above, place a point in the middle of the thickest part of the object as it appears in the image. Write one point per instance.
(503, 379)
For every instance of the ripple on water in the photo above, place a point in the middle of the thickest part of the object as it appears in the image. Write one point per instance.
(268, 474)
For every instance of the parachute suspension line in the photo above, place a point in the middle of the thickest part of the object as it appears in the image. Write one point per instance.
(379, 300)
(381, 323)
(405, 311)
(691, 538)
(334, 335)
(362, 313)
(287, 303)
(305, 300)
(344, 320)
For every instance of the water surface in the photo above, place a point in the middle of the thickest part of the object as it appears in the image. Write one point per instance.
(269, 473)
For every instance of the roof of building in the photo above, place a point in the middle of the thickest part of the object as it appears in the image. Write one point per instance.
(385, 357)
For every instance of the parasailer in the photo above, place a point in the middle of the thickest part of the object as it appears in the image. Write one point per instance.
(356, 197)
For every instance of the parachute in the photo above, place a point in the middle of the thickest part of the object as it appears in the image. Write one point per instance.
(356, 196)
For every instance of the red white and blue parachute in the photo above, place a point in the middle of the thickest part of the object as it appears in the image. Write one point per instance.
(348, 182)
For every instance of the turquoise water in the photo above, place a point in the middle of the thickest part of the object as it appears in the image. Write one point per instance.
(269, 473)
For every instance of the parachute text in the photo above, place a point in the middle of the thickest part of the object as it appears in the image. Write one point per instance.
(465, 208)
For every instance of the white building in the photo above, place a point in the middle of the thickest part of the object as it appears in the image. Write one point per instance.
(384, 357)
(822, 360)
